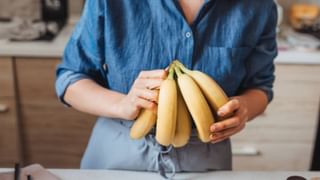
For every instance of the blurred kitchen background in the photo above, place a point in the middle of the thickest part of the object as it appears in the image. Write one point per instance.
(36, 128)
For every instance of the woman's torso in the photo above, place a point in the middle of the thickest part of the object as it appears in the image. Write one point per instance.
(149, 34)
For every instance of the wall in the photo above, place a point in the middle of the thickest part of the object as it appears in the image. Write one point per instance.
(20, 8)
(75, 7)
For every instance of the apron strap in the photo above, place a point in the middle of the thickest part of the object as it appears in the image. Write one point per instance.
(166, 164)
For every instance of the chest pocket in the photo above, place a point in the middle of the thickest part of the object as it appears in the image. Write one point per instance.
(226, 65)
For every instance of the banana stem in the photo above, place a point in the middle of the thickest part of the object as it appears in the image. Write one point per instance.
(182, 67)
(171, 71)
(178, 71)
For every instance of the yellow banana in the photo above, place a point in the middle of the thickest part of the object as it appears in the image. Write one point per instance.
(143, 124)
(183, 127)
(167, 110)
(211, 90)
(197, 105)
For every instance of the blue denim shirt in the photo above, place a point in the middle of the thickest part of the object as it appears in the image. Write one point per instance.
(233, 41)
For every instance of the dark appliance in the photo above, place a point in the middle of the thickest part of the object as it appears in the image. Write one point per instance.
(54, 13)
(315, 164)
(54, 10)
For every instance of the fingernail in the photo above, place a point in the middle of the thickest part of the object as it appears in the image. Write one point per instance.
(153, 105)
(220, 113)
(213, 128)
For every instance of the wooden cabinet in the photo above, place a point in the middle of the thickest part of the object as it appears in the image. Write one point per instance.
(34, 126)
(9, 136)
(53, 135)
(284, 134)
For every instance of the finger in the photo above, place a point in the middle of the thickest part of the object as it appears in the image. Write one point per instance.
(159, 73)
(229, 107)
(147, 94)
(219, 140)
(220, 136)
(226, 124)
(227, 132)
(243, 114)
(142, 103)
(148, 83)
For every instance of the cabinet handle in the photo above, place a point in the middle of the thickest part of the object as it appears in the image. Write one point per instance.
(3, 108)
(246, 151)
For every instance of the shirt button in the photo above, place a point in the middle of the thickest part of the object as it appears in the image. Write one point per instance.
(188, 34)
(105, 67)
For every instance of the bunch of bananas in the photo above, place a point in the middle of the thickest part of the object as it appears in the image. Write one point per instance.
(183, 94)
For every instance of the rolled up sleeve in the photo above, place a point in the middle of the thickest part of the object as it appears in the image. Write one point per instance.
(83, 57)
(260, 64)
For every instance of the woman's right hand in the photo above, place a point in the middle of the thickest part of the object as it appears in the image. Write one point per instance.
(141, 94)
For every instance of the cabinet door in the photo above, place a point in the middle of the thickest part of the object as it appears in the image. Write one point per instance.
(54, 135)
(285, 134)
(9, 146)
(6, 78)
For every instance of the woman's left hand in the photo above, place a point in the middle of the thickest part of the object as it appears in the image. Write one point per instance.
(222, 130)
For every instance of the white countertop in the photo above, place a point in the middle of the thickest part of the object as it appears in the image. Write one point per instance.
(67, 174)
(298, 57)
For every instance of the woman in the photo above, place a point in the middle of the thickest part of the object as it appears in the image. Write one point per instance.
(119, 50)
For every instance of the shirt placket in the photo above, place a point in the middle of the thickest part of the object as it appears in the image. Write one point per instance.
(188, 46)
(188, 33)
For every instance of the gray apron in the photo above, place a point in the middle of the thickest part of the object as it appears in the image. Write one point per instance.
(110, 147)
